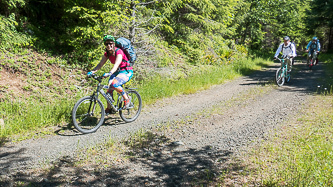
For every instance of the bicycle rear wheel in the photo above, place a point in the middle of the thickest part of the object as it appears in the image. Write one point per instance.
(88, 114)
(279, 77)
(134, 110)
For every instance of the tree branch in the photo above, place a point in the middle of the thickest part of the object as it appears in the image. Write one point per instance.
(147, 3)
(150, 30)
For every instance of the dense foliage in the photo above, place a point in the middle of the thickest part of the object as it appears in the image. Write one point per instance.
(203, 30)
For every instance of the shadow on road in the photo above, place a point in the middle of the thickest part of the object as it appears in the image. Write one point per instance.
(12, 158)
(173, 168)
(154, 162)
(302, 78)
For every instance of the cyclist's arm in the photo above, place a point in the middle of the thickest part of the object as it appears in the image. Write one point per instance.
(307, 47)
(100, 65)
(278, 51)
(318, 46)
(119, 58)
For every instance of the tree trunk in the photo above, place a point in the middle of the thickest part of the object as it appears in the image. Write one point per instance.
(132, 27)
(330, 40)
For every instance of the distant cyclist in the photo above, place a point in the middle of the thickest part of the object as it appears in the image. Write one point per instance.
(313, 45)
(120, 73)
(288, 50)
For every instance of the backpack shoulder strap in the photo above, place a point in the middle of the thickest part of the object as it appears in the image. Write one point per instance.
(123, 58)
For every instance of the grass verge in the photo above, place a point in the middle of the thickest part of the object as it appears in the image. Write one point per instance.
(301, 154)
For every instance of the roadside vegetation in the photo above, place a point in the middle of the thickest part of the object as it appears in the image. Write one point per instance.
(301, 154)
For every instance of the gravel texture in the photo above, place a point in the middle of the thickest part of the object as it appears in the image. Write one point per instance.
(202, 139)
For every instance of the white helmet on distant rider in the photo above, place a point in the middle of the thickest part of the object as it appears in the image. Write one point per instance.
(286, 38)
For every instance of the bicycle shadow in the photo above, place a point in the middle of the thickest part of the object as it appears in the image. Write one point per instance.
(70, 130)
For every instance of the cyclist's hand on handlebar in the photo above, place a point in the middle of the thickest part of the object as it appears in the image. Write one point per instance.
(107, 75)
(306, 50)
(90, 73)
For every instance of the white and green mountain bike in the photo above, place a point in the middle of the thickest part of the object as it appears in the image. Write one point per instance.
(282, 75)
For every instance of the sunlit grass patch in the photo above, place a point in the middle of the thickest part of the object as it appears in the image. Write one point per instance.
(302, 154)
(203, 77)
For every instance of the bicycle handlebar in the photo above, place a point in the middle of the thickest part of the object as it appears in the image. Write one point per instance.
(283, 58)
(96, 77)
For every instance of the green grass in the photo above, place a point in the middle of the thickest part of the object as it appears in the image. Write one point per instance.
(300, 155)
(201, 78)
(30, 115)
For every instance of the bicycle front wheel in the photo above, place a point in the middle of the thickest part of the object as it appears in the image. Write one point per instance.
(88, 114)
(279, 77)
(133, 112)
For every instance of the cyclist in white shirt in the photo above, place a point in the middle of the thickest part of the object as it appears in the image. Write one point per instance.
(288, 50)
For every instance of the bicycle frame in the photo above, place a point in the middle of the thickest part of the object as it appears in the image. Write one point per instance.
(100, 90)
(284, 65)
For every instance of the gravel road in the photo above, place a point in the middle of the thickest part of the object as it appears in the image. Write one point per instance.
(211, 138)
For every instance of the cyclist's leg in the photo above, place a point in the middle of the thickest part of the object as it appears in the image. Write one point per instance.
(289, 64)
(117, 83)
(122, 78)
(110, 90)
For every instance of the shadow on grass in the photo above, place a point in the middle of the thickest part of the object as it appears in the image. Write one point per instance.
(3, 140)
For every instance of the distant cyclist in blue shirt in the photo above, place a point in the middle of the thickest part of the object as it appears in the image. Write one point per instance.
(313, 45)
